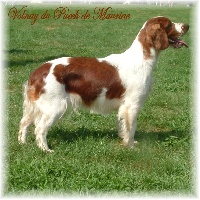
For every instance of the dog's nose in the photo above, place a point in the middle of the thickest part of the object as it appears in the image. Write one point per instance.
(187, 26)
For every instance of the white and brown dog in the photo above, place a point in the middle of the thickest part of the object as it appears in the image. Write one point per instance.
(117, 82)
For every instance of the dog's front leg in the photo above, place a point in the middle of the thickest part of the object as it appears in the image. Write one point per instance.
(127, 122)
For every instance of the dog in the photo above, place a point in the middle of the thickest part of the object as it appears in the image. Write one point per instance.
(117, 82)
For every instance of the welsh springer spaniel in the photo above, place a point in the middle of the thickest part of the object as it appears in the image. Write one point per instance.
(117, 82)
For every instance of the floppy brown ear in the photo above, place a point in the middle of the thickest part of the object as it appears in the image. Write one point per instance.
(158, 36)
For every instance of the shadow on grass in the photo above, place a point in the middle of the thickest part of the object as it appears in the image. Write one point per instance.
(23, 61)
(83, 133)
(70, 136)
(159, 136)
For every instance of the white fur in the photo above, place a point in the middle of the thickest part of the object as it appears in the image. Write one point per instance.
(178, 27)
(135, 72)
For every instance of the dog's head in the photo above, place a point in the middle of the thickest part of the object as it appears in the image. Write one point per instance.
(160, 33)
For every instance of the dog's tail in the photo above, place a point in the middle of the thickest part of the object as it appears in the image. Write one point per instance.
(28, 104)
(28, 115)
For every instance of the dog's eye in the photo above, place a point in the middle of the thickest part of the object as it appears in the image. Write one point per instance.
(169, 26)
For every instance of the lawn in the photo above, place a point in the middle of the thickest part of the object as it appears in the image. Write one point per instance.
(88, 157)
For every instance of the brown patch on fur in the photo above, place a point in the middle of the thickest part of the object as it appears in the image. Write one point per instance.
(87, 77)
(36, 81)
(155, 34)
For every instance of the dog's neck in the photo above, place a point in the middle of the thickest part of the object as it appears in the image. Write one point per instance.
(137, 51)
(135, 56)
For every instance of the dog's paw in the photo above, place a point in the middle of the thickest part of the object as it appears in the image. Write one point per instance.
(21, 139)
(50, 151)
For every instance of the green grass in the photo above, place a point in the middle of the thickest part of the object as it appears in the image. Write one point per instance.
(88, 157)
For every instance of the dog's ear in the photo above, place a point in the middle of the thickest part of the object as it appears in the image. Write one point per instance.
(157, 36)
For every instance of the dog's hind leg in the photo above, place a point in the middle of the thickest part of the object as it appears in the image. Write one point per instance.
(25, 122)
(41, 131)
(54, 112)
